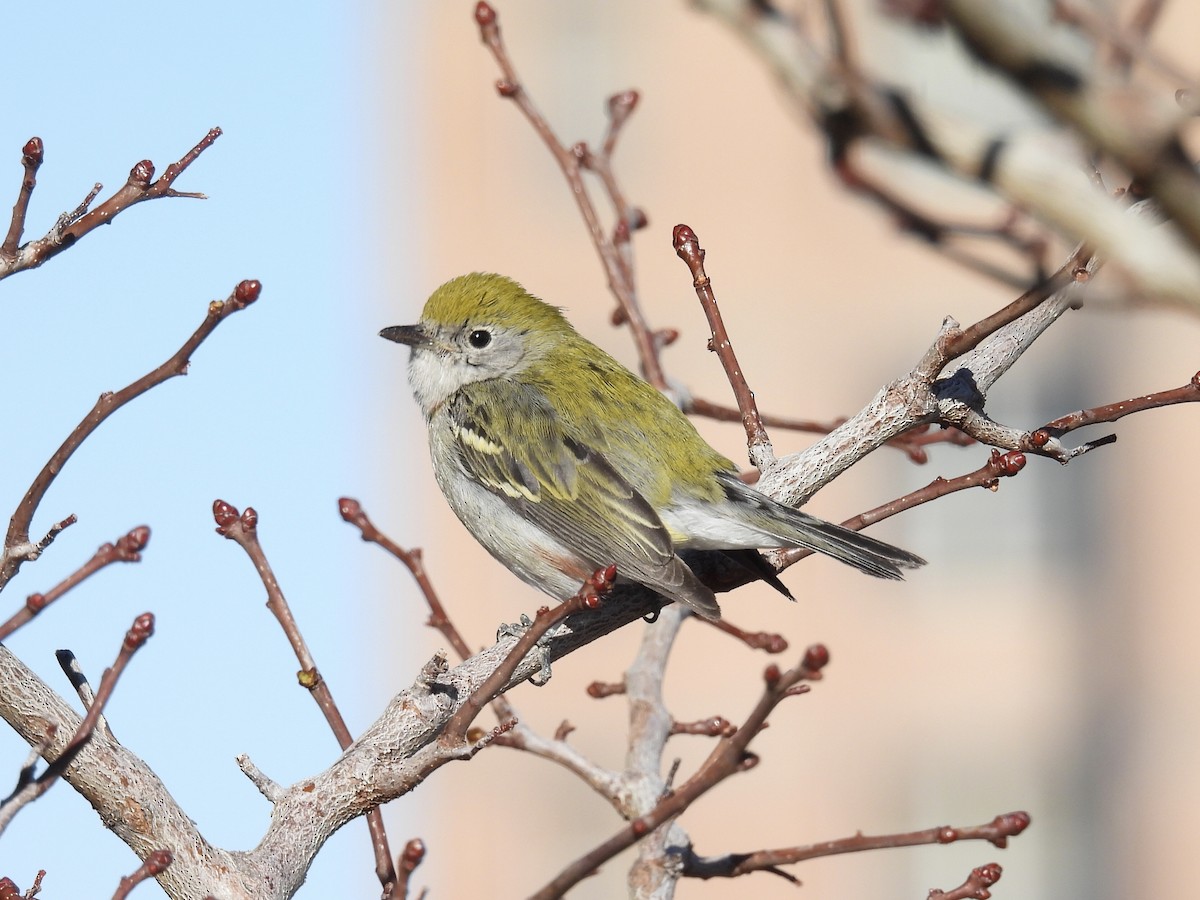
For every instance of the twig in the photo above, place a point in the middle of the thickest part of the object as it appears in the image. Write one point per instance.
(127, 549)
(32, 155)
(687, 247)
(588, 597)
(10, 891)
(151, 867)
(71, 226)
(1111, 412)
(17, 548)
(351, 511)
(999, 465)
(1077, 268)
(728, 757)
(732, 865)
(569, 161)
(135, 638)
(242, 529)
(414, 853)
(975, 887)
(768, 642)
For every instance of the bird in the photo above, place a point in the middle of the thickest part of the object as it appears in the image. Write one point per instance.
(560, 461)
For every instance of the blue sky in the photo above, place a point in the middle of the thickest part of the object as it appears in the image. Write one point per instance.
(270, 414)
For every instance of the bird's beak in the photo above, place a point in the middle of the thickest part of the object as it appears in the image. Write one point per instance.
(413, 335)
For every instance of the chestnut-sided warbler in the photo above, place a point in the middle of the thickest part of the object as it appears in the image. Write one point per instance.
(561, 461)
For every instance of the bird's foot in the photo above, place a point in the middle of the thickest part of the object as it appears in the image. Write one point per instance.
(541, 648)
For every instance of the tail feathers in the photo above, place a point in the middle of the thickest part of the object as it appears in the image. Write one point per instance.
(752, 561)
(864, 553)
(793, 528)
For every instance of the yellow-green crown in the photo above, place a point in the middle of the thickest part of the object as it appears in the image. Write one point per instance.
(484, 298)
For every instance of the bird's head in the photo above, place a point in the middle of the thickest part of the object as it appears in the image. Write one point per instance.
(473, 328)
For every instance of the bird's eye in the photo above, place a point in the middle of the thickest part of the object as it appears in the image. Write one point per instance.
(479, 338)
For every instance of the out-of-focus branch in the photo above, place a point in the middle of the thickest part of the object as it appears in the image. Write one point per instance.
(128, 548)
(242, 529)
(1032, 170)
(974, 888)
(17, 546)
(71, 226)
(414, 853)
(1135, 126)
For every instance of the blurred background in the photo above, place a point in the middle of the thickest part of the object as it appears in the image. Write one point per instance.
(1042, 661)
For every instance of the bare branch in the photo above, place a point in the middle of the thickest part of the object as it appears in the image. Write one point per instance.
(71, 226)
(242, 529)
(687, 247)
(351, 511)
(128, 548)
(569, 161)
(974, 888)
(17, 547)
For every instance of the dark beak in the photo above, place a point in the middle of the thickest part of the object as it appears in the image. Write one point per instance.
(413, 335)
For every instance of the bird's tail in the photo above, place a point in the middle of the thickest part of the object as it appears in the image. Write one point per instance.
(793, 528)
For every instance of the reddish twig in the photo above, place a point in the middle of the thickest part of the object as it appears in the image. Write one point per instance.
(999, 465)
(729, 756)
(17, 547)
(598, 690)
(135, 638)
(1111, 412)
(242, 529)
(732, 865)
(127, 549)
(10, 891)
(71, 226)
(713, 726)
(570, 161)
(975, 887)
(628, 218)
(153, 866)
(32, 155)
(687, 246)
(414, 853)
(767, 641)
(351, 511)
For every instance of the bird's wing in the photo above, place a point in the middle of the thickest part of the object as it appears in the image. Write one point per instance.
(567, 489)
